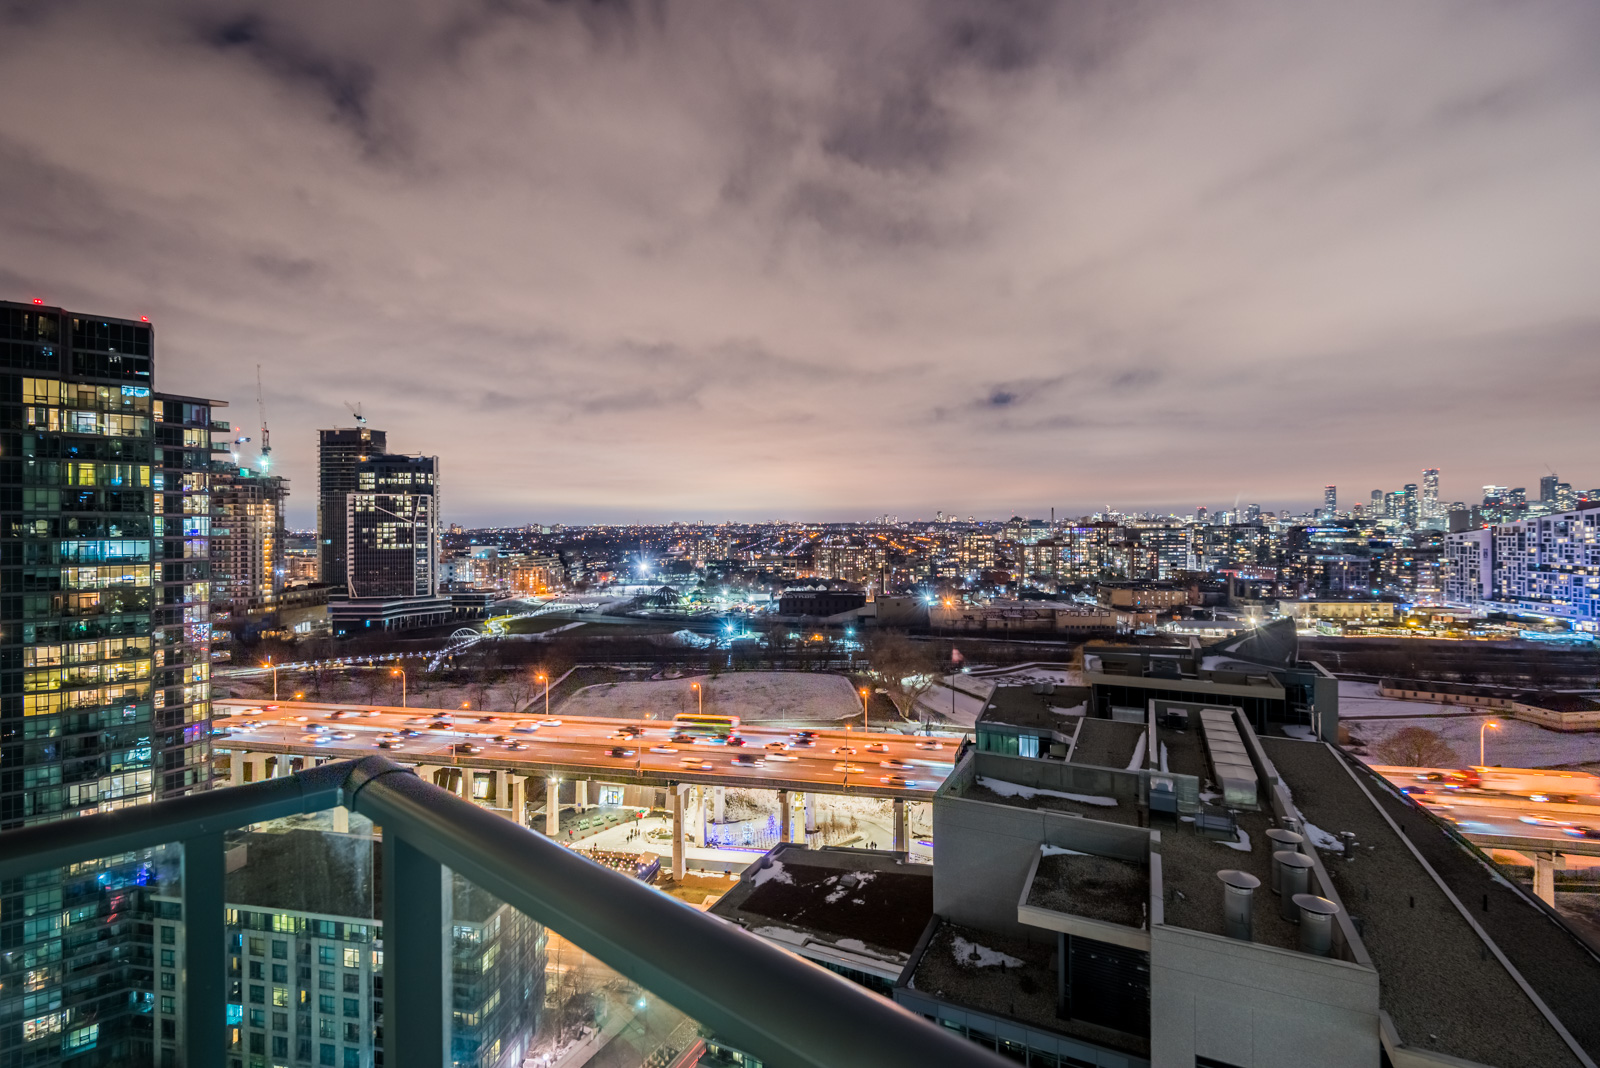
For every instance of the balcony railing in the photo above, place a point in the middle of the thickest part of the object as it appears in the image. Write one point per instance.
(770, 1003)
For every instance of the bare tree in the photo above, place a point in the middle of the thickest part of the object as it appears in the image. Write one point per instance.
(520, 691)
(1417, 747)
(903, 668)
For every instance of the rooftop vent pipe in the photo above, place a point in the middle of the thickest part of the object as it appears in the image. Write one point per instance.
(1316, 923)
(1238, 890)
(1282, 842)
(1294, 877)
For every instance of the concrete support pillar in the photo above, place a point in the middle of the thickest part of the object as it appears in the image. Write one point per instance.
(719, 797)
(785, 817)
(901, 840)
(236, 763)
(341, 819)
(499, 788)
(1544, 876)
(811, 812)
(552, 806)
(517, 797)
(580, 794)
(700, 813)
(680, 861)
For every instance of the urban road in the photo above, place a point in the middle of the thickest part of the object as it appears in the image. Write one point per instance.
(902, 766)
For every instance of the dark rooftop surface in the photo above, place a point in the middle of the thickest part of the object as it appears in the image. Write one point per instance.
(1098, 888)
(1184, 753)
(1443, 990)
(889, 907)
(1025, 991)
(1126, 812)
(1019, 706)
(1104, 743)
(1193, 894)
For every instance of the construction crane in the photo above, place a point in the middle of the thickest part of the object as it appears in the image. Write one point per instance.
(266, 436)
(355, 410)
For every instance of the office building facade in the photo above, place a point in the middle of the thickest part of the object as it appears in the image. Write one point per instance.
(340, 453)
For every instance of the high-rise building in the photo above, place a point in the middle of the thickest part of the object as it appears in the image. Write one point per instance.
(1375, 508)
(105, 692)
(247, 541)
(1409, 505)
(1431, 509)
(340, 453)
(1330, 502)
(391, 555)
(181, 530)
(1547, 487)
(1547, 566)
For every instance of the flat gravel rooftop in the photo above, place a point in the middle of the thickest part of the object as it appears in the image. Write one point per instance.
(1443, 989)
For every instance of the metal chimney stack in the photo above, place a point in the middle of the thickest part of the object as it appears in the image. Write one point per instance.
(1283, 841)
(1294, 877)
(1238, 891)
(1316, 923)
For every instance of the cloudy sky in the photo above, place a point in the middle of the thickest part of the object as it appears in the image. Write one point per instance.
(832, 259)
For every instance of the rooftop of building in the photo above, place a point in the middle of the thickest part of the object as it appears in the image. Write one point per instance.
(1008, 977)
(1099, 888)
(871, 902)
(1104, 743)
(1052, 708)
(1443, 989)
(1015, 795)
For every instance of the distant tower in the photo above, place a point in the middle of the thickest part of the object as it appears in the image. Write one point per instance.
(1330, 502)
(1409, 504)
(1430, 494)
(1547, 487)
(340, 453)
(1375, 509)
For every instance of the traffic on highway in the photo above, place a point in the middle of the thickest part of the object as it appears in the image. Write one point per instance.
(1531, 803)
(689, 746)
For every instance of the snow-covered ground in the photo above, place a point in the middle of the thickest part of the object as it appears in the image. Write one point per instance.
(1370, 718)
(1360, 700)
(1514, 745)
(973, 689)
(758, 696)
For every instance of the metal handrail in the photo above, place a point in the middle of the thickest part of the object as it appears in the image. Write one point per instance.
(783, 1009)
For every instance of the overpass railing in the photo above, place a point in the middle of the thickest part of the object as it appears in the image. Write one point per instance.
(753, 996)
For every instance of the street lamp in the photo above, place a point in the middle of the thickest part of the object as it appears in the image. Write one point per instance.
(1486, 726)
(541, 678)
(402, 673)
(274, 669)
(864, 692)
(695, 686)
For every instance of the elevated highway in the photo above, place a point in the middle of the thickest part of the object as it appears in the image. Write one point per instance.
(491, 758)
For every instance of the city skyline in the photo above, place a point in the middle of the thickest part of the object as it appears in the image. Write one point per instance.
(619, 265)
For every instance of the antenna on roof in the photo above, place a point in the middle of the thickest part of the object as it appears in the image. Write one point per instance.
(355, 410)
(266, 436)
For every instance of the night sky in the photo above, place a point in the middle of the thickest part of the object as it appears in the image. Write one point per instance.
(829, 260)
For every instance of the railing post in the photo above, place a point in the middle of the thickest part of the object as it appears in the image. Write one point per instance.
(416, 957)
(205, 979)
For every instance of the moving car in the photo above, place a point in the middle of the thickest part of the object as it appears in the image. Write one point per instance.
(514, 744)
(930, 745)
(877, 747)
(749, 760)
(782, 756)
(1579, 830)
(898, 765)
(467, 748)
(696, 763)
(623, 751)
(663, 749)
(525, 728)
(549, 723)
(897, 780)
(776, 745)
(847, 750)
(849, 769)
(391, 743)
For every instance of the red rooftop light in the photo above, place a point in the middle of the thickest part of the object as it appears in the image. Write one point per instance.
(144, 318)
(36, 300)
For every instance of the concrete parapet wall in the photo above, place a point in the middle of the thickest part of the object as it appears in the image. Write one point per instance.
(1257, 1006)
